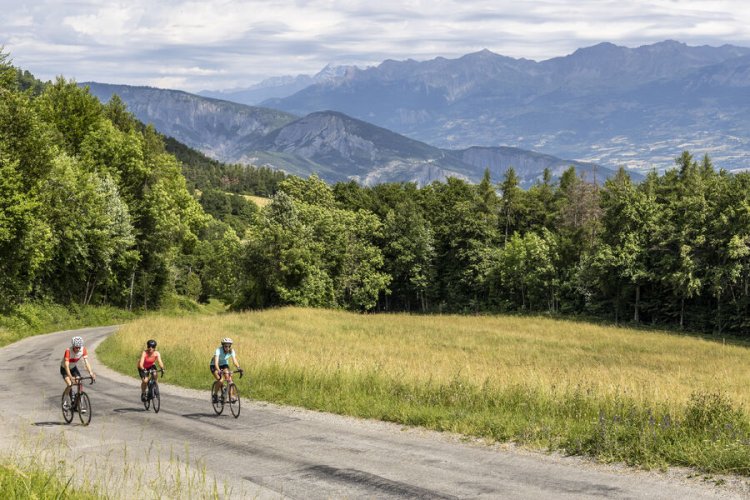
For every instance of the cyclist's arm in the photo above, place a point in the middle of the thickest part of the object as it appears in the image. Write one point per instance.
(234, 360)
(158, 358)
(88, 367)
(140, 361)
(67, 369)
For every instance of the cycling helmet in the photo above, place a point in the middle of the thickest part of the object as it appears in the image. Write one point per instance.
(151, 343)
(226, 340)
(77, 342)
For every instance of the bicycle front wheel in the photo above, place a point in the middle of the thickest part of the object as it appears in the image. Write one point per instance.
(216, 398)
(84, 408)
(233, 394)
(67, 407)
(156, 399)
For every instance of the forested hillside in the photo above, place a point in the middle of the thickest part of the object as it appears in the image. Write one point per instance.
(95, 210)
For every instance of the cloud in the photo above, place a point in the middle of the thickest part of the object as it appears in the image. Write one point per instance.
(224, 44)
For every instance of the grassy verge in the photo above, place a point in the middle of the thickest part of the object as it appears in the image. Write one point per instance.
(35, 318)
(35, 482)
(645, 398)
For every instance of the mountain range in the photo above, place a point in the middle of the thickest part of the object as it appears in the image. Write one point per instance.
(607, 104)
(335, 146)
(604, 106)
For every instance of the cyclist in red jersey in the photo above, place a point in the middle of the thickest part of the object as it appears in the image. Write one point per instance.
(69, 367)
(149, 358)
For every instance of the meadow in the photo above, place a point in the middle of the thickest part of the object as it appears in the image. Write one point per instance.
(646, 398)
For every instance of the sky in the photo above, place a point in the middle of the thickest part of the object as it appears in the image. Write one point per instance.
(220, 45)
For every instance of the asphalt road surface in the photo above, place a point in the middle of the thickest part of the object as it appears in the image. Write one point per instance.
(279, 452)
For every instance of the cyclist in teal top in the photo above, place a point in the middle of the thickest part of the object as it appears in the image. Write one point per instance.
(220, 361)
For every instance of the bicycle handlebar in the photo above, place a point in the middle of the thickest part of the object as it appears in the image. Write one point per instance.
(230, 372)
(81, 379)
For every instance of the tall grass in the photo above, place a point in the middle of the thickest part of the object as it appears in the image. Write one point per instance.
(43, 466)
(646, 398)
(35, 482)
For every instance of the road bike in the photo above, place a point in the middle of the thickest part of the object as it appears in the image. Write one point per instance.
(222, 394)
(75, 400)
(152, 391)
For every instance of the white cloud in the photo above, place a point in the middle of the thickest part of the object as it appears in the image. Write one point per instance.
(220, 44)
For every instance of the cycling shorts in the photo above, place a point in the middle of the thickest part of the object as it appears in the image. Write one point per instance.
(221, 367)
(73, 371)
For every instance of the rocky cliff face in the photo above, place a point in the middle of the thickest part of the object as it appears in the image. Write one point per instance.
(212, 126)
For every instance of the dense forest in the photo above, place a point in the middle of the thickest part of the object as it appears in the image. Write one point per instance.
(95, 208)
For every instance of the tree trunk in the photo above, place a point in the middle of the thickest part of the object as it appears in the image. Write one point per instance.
(132, 285)
(682, 312)
(718, 312)
(636, 315)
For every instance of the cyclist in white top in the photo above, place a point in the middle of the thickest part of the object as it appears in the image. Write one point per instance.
(68, 365)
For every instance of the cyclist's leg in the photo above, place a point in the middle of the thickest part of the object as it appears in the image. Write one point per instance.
(216, 373)
(68, 381)
(143, 375)
(76, 374)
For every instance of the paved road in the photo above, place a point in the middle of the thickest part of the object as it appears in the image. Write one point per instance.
(278, 452)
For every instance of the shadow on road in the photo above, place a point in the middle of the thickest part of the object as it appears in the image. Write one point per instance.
(139, 409)
(49, 424)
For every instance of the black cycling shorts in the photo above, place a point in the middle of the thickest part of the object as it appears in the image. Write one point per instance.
(73, 371)
(221, 367)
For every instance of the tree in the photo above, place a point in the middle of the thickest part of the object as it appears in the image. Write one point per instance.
(73, 111)
(627, 226)
(409, 254)
(510, 202)
(91, 234)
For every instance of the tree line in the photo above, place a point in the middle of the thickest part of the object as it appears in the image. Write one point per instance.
(95, 208)
(671, 250)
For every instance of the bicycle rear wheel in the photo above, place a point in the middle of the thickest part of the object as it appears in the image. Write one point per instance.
(156, 399)
(67, 407)
(216, 400)
(84, 408)
(233, 394)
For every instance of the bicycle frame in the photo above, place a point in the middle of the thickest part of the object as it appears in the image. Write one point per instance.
(152, 392)
(77, 400)
(225, 391)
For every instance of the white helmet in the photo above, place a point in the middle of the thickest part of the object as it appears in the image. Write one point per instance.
(226, 340)
(77, 342)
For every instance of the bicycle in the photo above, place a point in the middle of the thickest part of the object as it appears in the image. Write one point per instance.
(226, 393)
(152, 392)
(77, 401)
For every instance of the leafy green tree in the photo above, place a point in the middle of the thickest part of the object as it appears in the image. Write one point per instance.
(409, 255)
(73, 111)
(24, 237)
(628, 225)
(510, 203)
(91, 233)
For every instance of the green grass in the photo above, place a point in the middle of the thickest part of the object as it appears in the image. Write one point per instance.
(38, 318)
(34, 319)
(35, 482)
(645, 398)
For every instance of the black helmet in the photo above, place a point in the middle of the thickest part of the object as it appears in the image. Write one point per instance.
(151, 343)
